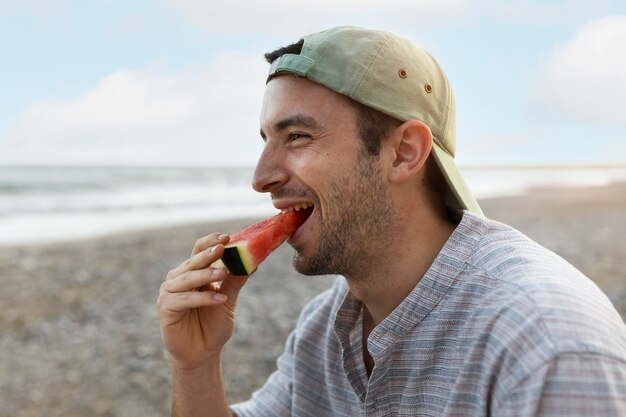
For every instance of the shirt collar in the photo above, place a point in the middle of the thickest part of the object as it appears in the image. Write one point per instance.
(430, 290)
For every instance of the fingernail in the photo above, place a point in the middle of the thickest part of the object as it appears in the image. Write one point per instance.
(219, 297)
(222, 237)
(215, 271)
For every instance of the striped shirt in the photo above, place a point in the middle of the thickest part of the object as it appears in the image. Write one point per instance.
(498, 326)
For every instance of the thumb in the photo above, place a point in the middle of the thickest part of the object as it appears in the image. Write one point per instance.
(231, 287)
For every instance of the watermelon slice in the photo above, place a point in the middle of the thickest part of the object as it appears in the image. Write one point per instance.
(250, 246)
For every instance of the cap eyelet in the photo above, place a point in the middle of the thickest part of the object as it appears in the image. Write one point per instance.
(428, 88)
(403, 73)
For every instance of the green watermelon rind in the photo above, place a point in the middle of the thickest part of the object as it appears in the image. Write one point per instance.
(237, 260)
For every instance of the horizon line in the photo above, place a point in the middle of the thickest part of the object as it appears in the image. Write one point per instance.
(543, 165)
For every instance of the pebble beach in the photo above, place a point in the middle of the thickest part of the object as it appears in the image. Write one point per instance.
(78, 328)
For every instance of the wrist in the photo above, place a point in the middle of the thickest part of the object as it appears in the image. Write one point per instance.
(211, 361)
(198, 388)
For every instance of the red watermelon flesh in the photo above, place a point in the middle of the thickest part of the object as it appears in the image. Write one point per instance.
(250, 246)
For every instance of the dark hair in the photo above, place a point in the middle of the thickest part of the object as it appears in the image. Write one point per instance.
(373, 126)
(294, 48)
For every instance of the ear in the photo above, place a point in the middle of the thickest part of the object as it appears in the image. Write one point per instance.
(411, 144)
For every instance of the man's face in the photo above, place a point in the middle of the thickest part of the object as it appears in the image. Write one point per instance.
(313, 155)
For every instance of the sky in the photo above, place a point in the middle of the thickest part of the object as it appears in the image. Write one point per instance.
(180, 82)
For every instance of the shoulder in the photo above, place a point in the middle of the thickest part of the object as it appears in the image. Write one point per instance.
(530, 305)
(499, 249)
(505, 259)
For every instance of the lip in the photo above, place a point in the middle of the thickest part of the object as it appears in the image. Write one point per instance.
(288, 205)
(298, 207)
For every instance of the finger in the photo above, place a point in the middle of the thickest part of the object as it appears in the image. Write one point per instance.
(193, 280)
(208, 241)
(183, 301)
(231, 287)
(200, 260)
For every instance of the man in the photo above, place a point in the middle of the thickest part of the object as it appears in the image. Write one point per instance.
(437, 311)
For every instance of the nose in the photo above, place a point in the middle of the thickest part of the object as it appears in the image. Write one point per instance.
(269, 174)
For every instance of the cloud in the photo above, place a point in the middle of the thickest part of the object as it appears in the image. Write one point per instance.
(277, 17)
(585, 78)
(35, 6)
(292, 18)
(44, 14)
(534, 12)
(208, 116)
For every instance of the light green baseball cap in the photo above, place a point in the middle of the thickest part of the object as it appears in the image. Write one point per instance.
(390, 74)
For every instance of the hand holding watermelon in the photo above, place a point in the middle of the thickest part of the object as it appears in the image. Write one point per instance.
(196, 305)
(197, 301)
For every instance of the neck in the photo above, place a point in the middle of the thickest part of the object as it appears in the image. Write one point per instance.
(401, 265)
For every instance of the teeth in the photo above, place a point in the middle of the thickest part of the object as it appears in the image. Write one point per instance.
(297, 207)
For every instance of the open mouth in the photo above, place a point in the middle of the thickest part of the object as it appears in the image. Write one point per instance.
(307, 207)
(303, 212)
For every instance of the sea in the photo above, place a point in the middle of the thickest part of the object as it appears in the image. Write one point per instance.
(44, 204)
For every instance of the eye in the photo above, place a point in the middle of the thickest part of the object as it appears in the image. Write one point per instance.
(296, 135)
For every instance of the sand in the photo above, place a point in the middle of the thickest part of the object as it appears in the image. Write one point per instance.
(78, 327)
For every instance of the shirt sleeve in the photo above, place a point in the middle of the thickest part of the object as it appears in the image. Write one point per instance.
(274, 398)
(572, 384)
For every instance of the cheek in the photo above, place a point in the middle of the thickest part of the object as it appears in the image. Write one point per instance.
(316, 170)
(322, 170)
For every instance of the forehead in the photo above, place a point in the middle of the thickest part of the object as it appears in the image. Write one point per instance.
(288, 94)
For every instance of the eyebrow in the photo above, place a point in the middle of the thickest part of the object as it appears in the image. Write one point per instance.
(295, 120)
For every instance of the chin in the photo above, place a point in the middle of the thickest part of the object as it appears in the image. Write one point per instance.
(311, 265)
(300, 263)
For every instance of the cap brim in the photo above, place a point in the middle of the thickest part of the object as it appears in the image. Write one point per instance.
(460, 194)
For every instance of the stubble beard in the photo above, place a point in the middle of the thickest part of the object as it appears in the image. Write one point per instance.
(358, 224)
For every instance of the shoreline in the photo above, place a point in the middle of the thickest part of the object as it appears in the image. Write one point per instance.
(147, 230)
(550, 193)
(78, 321)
